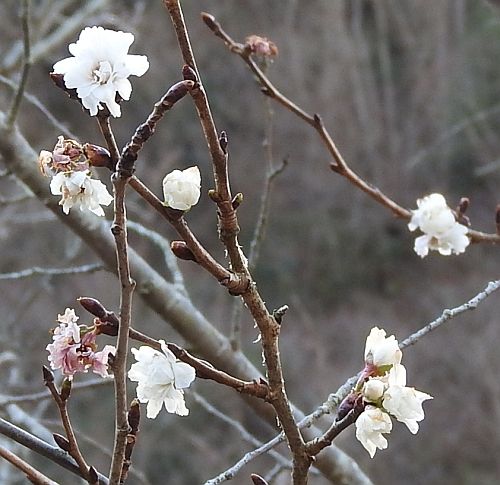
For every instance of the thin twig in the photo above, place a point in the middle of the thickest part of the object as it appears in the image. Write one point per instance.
(164, 245)
(119, 230)
(40, 396)
(334, 399)
(472, 304)
(39, 446)
(66, 27)
(146, 129)
(280, 459)
(318, 444)
(74, 449)
(16, 103)
(206, 371)
(134, 418)
(32, 474)
(228, 233)
(338, 165)
(201, 255)
(38, 104)
(36, 270)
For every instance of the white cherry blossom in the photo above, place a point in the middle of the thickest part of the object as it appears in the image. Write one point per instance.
(78, 189)
(373, 389)
(404, 403)
(371, 424)
(381, 350)
(181, 188)
(100, 67)
(160, 379)
(441, 231)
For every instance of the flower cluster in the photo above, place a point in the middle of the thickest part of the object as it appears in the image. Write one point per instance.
(384, 393)
(69, 168)
(100, 68)
(441, 230)
(181, 188)
(160, 379)
(74, 347)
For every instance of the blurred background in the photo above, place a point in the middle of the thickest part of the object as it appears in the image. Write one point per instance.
(410, 92)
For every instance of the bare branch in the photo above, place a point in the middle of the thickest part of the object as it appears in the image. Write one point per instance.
(32, 474)
(36, 270)
(338, 165)
(16, 103)
(127, 285)
(164, 245)
(65, 29)
(472, 304)
(61, 399)
(39, 446)
(281, 460)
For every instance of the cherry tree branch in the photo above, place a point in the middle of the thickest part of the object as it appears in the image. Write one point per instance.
(32, 474)
(42, 448)
(36, 270)
(119, 230)
(338, 165)
(16, 103)
(61, 399)
(268, 325)
(161, 296)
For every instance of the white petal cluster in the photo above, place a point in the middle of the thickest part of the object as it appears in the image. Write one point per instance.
(441, 231)
(78, 189)
(385, 393)
(160, 379)
(100, 67)
(381, 350)
(181, 188)
(370, 427)
(404, 403)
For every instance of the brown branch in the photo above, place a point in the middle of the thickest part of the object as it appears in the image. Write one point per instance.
(109, 323)
(61, 399)
(217, 146)
(318, 444)
(32, 474)
(109, 137)
(119, 230)
(228, 232)
(338, 165)
(146, 129)
(134, 418)
(202, 256)
(204, 370)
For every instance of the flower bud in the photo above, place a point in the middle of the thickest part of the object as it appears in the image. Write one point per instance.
(93, 306)
(181, 189)
(373, 390)
(62, 442)
(66, 388)
(180, 249)
(97, 156)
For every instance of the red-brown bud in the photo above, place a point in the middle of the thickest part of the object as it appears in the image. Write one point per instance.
(97, 156)
(93, 306)
(180, 249)
(62, 442)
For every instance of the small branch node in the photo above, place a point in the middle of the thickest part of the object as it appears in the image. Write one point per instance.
(223, 141)
(279, 313)
(237, 200)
